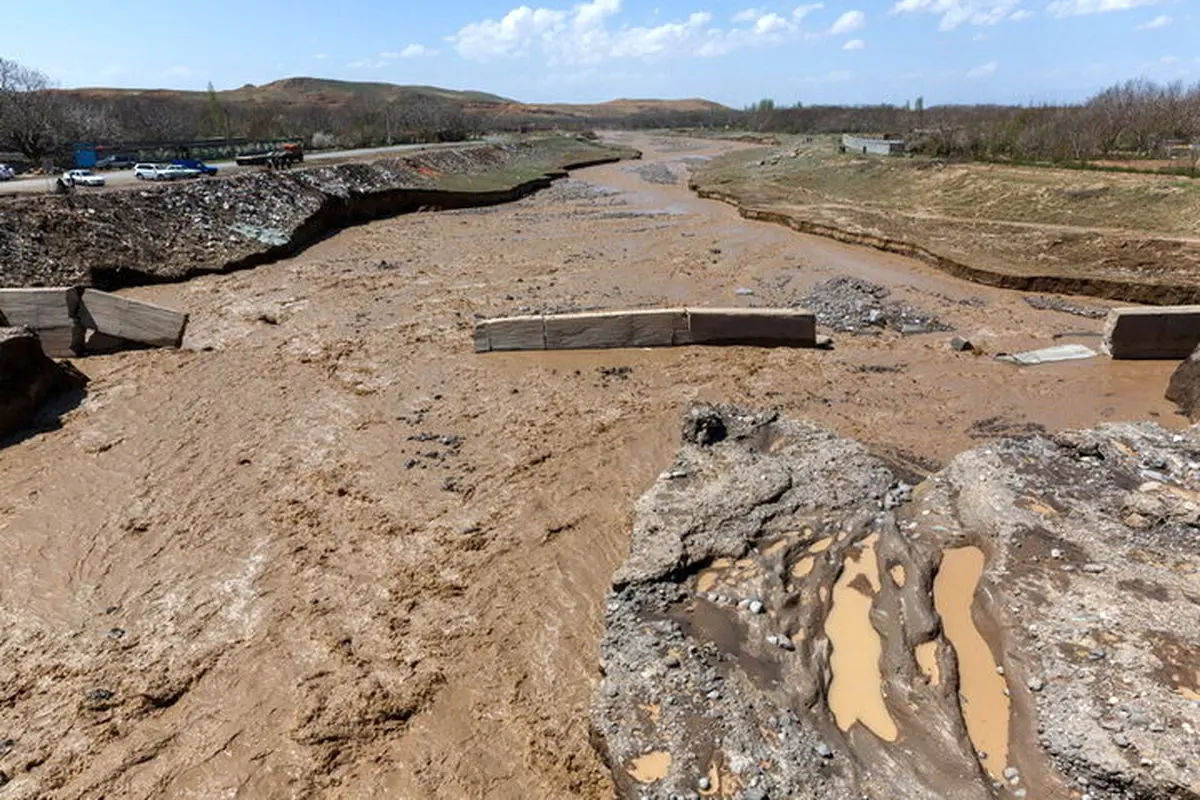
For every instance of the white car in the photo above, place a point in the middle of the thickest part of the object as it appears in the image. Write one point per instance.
(146, 172)
(82, 177)
(6, 172)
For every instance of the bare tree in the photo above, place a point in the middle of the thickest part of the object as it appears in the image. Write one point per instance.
(31, 115)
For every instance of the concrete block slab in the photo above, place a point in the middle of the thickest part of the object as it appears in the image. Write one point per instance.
(135, 320)
(608, 329)
(1167, 332)
(771, 327)
(511, 333)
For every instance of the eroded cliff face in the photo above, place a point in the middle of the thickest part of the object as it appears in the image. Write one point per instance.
(28, 379)
(793, 620)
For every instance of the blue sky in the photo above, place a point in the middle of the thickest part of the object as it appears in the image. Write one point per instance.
(732, 51)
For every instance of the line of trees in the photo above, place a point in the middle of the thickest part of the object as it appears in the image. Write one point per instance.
(1137, 118)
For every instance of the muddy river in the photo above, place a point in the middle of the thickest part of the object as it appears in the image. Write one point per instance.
(328, 550)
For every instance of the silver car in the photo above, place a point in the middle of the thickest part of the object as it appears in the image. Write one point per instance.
(82, 177)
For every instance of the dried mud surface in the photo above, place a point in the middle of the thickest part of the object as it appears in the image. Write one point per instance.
(327, 550)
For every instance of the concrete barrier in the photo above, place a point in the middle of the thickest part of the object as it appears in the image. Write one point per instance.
(667, 327)
(766, 327)
(1155, 332)
(75, 321)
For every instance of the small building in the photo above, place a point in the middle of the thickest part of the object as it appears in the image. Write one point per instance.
(871, 146)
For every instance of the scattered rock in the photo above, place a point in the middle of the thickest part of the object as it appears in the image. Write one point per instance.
(961, 345)
(1184, 387)
(1043, 303)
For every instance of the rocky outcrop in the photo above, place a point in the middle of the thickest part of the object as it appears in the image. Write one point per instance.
(793, 621)
(28, 378)
(166, 233)
(1184, 387)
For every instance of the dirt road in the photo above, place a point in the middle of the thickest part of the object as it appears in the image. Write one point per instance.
(327, 550)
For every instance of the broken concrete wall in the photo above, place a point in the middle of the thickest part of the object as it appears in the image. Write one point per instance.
(28, 379)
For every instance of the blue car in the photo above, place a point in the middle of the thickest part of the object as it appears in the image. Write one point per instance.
(194, 163)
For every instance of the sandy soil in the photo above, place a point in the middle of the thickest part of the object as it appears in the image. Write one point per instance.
(327, 550)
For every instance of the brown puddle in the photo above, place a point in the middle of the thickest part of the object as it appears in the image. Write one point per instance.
(650, 767)
(982, 690)
(802, 567)
(856, 691)
(927, 661)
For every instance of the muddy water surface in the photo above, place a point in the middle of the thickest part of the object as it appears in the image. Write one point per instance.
(982, 689)
(349, 554)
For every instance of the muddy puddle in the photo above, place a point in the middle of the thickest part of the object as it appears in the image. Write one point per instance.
(983, 691)
(856, 690)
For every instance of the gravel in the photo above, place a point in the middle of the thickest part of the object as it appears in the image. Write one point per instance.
(854, 305)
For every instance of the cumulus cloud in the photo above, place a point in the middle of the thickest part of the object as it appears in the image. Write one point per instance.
(959, 12)
(1161, 21)
(854, 44)
(1079, 8)
(1020, 14)
(983, 70)
(587, 34)
(848, 23)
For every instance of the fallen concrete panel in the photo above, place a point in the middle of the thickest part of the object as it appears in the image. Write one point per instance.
(52, 312)
(790, 327)
(510, 333)
(598, 330)
(135, 320)
(1154, 332)
(667, 327)
(1049, 355)
(62, 318)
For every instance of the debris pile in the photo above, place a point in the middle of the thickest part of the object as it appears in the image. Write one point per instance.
(854, 305)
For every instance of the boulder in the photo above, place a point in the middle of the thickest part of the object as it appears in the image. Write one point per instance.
(1184, 387)
(793, 621)
(28, 378)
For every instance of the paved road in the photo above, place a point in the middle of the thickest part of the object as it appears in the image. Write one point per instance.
(120, 178)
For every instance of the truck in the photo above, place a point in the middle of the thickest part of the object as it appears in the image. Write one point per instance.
(283, 156)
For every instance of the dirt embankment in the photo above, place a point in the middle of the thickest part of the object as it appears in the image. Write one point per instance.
(168, 233)
(1120, 237)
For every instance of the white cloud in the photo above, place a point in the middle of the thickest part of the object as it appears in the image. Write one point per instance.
(958, 12)
(1020, 14)
(848, 23)
(1079, 8)
(983, 70)
(587, 34)
(417, 51)
(800, 12)
(1161, 21)
(854, 44)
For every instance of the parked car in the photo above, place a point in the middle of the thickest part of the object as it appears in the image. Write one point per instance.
(6, 172)
(146, 172)
(194, 163)
(82, 177)
(174, 172)
(115, 162)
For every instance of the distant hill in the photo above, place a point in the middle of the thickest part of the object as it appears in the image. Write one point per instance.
(333, 113)
(328, 94)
